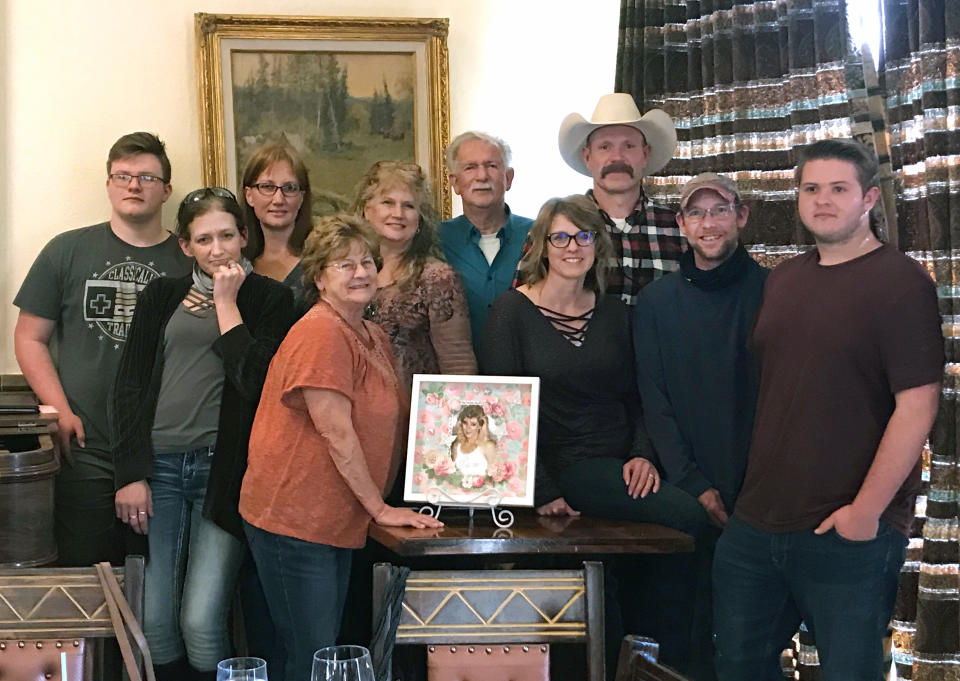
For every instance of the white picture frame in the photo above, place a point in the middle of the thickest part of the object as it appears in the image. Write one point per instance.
(496, 416)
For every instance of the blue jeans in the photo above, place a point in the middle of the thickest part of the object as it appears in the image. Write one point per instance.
(306, 586)
(765, 583)
(193, 566)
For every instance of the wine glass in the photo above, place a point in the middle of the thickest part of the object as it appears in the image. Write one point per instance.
(342, 663)
(242, 669)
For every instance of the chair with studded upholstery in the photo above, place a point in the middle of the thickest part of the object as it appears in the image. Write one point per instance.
(52, 618)
(495, 625)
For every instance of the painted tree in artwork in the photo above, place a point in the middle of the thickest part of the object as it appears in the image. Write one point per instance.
(382, 111)
(332, 104)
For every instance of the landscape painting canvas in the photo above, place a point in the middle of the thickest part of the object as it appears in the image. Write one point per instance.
(472, 440)
(342, 111)
(345, 92)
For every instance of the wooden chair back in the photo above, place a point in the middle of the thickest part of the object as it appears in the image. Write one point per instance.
(59, 605)
(489, 608)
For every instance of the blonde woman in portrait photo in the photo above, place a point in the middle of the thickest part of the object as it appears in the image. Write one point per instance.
(473, 450)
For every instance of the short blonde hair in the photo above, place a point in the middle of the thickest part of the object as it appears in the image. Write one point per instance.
(386, 175)
(331, 238)
(582, 212)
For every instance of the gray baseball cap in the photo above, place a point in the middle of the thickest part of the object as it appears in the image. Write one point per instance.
(721, 184)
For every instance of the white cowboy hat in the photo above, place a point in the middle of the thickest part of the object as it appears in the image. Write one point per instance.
(619, 109)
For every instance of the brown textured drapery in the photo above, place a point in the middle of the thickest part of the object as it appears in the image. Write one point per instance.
(920, 82)
(745, 83)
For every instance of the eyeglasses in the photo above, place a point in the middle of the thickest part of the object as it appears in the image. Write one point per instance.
(124, 179)
(288, 189)
(204, 192)
(562, 239)
(721, 212)
(350, 266)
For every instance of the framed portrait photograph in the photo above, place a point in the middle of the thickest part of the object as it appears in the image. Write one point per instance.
(345, 92)
(472, 440)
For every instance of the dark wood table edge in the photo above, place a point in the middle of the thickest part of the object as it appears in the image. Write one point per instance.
(516, 546)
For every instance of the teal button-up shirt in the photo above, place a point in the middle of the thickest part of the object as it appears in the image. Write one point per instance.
(482, 283)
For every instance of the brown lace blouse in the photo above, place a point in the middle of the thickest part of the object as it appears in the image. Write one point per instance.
(427, 324)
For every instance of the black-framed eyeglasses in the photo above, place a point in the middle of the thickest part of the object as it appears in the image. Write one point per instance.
(124, 179)
(204, 192)
(721, 212)
(562, 239)
(288, 189)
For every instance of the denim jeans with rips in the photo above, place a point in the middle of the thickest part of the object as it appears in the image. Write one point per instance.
(764, 583)
(193, 566)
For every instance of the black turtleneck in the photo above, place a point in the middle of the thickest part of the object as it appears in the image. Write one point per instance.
(696, 376)
(721, 276)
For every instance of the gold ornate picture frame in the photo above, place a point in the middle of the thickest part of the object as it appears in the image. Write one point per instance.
(344, 91)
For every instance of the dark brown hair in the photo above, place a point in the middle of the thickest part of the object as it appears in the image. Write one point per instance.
(861, 156)
(263, 158)
(140, 143)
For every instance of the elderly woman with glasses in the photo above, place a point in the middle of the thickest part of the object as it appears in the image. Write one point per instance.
(322, 444)
(276, 201)
(186, 393)
(594, 456)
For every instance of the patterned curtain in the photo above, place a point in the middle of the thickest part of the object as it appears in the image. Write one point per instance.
(920, 79)
(745, 83)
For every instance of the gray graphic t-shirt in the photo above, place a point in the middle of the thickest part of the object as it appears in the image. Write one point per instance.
(87, 280)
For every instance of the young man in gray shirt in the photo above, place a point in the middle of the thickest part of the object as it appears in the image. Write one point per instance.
(78, 298)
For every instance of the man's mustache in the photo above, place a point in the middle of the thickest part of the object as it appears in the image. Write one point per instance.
(616, 167)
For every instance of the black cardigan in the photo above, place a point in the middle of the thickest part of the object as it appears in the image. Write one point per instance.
(266, 307)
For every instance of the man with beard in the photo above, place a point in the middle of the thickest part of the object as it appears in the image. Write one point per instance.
(484, 244)
(617, 147)
(697, 378)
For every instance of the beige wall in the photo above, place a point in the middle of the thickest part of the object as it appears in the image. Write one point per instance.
(74, 76)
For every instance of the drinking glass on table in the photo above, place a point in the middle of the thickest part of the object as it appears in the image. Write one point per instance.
(342, 663)
(242, 669)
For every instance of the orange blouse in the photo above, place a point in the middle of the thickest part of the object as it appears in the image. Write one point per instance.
(292, 486)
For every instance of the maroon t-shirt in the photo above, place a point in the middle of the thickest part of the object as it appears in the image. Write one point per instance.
(835, 344)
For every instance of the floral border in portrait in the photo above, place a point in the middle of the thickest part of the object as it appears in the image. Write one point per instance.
(509, 404)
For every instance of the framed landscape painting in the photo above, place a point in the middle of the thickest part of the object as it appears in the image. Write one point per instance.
(345, 92)
(472, 440)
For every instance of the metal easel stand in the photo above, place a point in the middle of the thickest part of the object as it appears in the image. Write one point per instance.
(485, 497)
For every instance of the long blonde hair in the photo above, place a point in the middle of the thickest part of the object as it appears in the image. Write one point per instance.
(385, 175)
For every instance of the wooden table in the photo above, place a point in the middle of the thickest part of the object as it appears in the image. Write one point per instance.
(562, 538)
(531, 534)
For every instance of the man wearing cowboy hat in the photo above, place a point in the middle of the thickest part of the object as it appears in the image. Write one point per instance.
(617, 147)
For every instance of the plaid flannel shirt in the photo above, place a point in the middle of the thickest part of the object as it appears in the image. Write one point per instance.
(649, 247)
